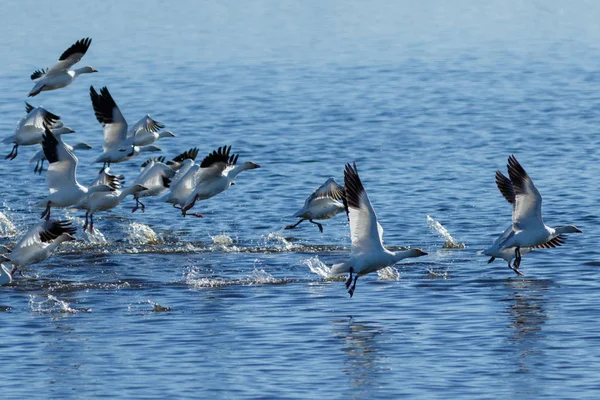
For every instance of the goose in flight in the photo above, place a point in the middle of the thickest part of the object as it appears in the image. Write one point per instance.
(324, 203)
(155, 177)
(117, 146)
(527, 230)
(146, 131)
(61, 74)
(103, 201)
(61, 177)
(217, 172)
(367, 253)
(39, 243)
(30, 128)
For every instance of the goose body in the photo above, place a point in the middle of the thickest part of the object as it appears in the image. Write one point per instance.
(155, 177)
(367, 253)
(146, 131)
(104, 201)
(324, 203)
(39, 243)
(217, 172)
(61, 177)
(61, 74)
(528, 229)
(30, 128)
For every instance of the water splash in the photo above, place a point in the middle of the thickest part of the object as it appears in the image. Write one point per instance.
(52, 305)
(318, 267)
(439, 228)
(141, 234)
(279, 241)
(437, 274)
(158, 308)
(7, 229)
(261, 276)
(389, 274)
(224, 242)
(96, 237)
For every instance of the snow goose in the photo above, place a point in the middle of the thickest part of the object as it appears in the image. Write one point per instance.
(179, 161)
(61, 177)
(324, 203)
(367, 253)
(60, 75)
(217, 172)
(39, 243)
(528, 229)
(103, 201)
(155, 177)
(117, 146)
(39, 157)
(182, 184)
(146, 131)
(30, 128)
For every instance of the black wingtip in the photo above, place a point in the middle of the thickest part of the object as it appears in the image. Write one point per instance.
(49, 145)
(28, 107)
(219, 155)
(103, 105)
(353, 185)
(38, 73)
(80, 46)
(166, 181)
(55, 229)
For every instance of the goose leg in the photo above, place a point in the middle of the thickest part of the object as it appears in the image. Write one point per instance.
(293, 226)
(349, 280)
(137, 205)
(46, 212)
(91, 223)
(517, 262)
(186, 208)
(85, 225)
(13, 153)
(351, 291)
(318, 224)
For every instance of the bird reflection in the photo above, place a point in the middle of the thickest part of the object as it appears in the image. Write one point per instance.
(359, 342)
(527, 309)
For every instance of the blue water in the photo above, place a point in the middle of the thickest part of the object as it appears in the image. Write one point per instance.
(429, 99)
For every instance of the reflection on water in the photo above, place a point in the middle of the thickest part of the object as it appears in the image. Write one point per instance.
(362, 361)
(527, 310)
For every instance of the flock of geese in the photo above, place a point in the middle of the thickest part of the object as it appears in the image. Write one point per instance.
(182, 182)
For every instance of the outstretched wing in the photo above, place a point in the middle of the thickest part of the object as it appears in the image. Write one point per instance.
(365, 232)
(108, 114)
(70, 57)
(63, 163)
(527, 207)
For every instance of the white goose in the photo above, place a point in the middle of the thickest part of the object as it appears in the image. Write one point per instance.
(60, 75)
(117, 146)
(146, 131)
(182, 184)
(528, 229)
(103, 201)
(217, 172)
(61, 177)
(39, 243)
(30, 128)
(155, 177)
(324, 203)
(367, 253)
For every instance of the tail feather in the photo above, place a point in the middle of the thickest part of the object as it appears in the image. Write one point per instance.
(339, 269)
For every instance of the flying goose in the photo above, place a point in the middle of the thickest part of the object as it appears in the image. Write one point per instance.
(103, 201)
(61, 177)
(324, 203)
(30, 128)
(367, 253)
(39, 243)
(146, 131)
(60, 75)
(217, 172)
(527, 230)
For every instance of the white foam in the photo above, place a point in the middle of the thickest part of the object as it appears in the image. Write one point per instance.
(7, 228)
(141, 234)
(439, 228)
(52, 304)
(389, 274)
(318, 267)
